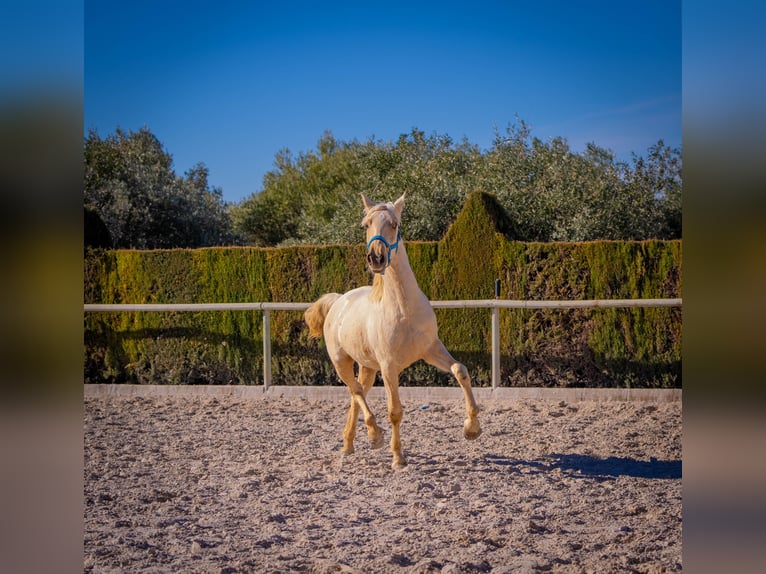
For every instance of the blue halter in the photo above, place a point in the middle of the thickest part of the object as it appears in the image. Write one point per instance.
(390, 246)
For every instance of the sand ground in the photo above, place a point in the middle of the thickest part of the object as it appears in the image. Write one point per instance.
(258, 484)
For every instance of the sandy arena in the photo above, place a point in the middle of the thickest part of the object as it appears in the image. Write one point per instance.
(258, 484)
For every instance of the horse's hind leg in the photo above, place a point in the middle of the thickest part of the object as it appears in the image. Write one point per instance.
(345, 370)
(349, 431)
(438, 356)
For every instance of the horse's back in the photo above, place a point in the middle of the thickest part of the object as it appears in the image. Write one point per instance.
(349, 300)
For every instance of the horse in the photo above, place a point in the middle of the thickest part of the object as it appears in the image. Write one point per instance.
(384, 327)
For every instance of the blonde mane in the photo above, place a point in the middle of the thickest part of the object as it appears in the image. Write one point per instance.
(377, 288)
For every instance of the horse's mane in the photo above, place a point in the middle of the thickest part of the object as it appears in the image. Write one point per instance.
(377, 288)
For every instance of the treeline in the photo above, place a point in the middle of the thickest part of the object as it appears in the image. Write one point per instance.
(549, 192)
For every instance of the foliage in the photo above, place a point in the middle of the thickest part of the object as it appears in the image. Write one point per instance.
(599, 347)
(96, 233)
(132, 188)
(549, 192)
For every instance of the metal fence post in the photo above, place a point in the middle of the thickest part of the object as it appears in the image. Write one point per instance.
(496, 338)
(266, 349)
(495, 347)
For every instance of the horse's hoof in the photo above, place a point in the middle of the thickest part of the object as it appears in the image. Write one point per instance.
(347, 449)
(376, 441)
(471, 431)
(398, 464)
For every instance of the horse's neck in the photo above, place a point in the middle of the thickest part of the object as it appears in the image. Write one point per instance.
(400, 287)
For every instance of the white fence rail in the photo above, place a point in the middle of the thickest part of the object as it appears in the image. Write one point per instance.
(493, 304)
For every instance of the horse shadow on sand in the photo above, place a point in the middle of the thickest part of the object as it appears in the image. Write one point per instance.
(585, 466)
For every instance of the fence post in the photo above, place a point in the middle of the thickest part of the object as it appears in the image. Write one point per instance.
(495, 347)
(266, 350)
(496, 339)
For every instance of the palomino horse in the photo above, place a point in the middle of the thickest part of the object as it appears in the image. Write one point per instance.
(384, 327)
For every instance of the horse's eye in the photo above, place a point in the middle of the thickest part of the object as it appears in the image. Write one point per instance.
(394, 225)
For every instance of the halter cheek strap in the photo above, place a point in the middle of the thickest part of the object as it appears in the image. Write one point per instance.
(390, 246)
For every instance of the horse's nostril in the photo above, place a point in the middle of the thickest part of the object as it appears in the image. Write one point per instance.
(374, 259)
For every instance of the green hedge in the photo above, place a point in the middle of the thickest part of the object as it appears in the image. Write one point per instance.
(580, 347)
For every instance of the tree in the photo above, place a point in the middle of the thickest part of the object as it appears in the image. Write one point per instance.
(303, 197)
(314, 198)
(550, 192)
(658, 177)
(436, 175)
(554, 194)
(130, 184)
(96, 234)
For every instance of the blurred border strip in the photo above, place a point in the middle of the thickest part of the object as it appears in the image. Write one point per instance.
(724, 346)
(41, 131)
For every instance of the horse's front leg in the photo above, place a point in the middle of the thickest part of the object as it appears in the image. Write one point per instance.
(345, 370)
(391, 380)
(367, 379)
(438, 356)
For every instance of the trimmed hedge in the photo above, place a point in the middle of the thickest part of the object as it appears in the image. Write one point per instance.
(577, 347)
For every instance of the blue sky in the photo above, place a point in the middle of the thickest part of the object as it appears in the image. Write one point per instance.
(231, 83)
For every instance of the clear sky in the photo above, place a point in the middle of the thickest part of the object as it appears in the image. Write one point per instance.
(230, 83)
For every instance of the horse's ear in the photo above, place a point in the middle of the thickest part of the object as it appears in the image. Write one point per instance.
(368, 204)
(399, 205)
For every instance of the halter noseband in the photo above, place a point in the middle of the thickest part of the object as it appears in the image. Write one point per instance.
(389, 246)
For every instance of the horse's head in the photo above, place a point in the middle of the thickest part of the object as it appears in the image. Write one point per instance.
(382, 221)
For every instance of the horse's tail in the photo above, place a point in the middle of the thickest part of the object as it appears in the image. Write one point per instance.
(315, 315)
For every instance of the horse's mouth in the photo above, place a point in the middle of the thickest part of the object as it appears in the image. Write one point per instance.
(377, 268)
(377, 261)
